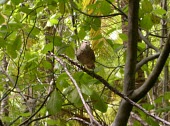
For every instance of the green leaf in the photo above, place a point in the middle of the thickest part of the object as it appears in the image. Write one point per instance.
(145, 68)
(2, 43)
(98, 103)
(136, 123)
(2, 20)
(123, 36)
(31, 12)
(85, 25)
(110, 42)
(17, 43)
(52, 122)
(116, 47)
(86, 90)
(11, 52)
(96, 23)
(7, 118)
(148, 106)
(164, 109)
(69, 51)
(47, 65)
(30, 65)
(167, 96)
(159, 12)
(47, 47)
(105, 7)
(58, 41)
(3, 29)
(159, 99)
(54, 104)
(82, 33)
(34, 32)
(141, 46)
(62, 7)
(25, 9)
(15, 26)
(53, 21)
(62, 81)
(100, 44)
(39, 87)
(97, 37)
(25, 114)
(151, 122)
(146, 6)
(84, 78)
(16, 2)
(146, 22)
(74, 98)
(155, 19)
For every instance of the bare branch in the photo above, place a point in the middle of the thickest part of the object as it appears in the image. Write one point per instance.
(40, 118)
(150, 82)
(80, 120)
(147, 41)
(138, 118)
(145, 60)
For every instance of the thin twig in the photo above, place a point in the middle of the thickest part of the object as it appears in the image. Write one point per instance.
(145, 60)
(40, 118)
(79, 119)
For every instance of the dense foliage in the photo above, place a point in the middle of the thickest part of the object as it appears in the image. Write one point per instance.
(40, 86)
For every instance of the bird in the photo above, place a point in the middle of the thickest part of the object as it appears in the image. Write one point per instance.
(85, 55)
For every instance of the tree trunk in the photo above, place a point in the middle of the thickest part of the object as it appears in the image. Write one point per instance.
(123, 114)
(166, 69)
(131, 59)
(5, 102)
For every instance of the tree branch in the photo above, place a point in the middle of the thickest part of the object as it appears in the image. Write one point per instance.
(95, 16)
(150, 82)
(122, 13)
(138, 118)
(131, 57)
(147, 41)
(145, 60)
(130, 66)
(102, 80)
(80, 120)
(78, 89)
